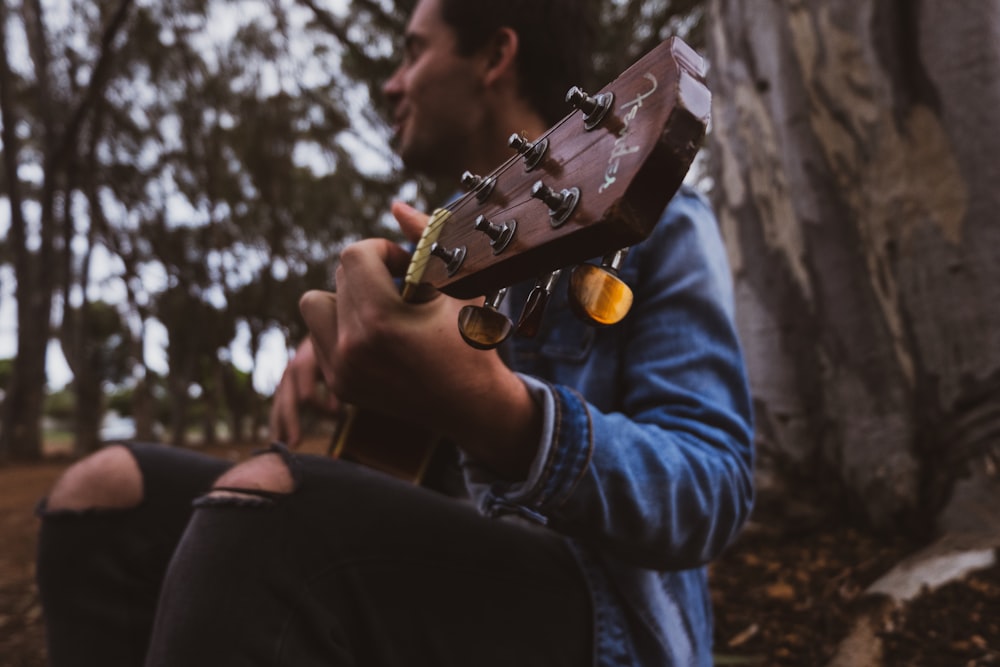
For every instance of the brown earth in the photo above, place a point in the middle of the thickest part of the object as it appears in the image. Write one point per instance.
(784, 594)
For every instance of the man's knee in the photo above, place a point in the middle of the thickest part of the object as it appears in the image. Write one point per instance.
(107, 479)
(264, 474)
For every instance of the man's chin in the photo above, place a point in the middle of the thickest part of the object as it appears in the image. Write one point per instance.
(416, 161)
(396, 143)
(417, 157)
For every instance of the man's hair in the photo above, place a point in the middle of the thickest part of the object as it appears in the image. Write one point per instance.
(554, 38)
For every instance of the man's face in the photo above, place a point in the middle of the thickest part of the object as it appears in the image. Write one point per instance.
(435, 96)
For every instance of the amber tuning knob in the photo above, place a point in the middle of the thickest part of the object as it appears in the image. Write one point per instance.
(484, 327)
(597, 295)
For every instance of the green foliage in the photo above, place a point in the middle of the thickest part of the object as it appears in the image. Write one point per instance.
(630, 28)
(60, 405)
(101, 346)
(120, 400)
(6, 370)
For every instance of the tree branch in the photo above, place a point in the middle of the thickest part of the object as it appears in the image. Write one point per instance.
(11, 145)
(95, 88)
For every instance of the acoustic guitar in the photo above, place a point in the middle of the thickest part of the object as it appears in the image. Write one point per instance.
(595, 183)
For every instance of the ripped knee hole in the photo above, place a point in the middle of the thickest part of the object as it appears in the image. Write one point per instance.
(264, 477)
(107, 479)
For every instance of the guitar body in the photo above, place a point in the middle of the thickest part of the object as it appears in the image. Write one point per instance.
(390, 445)
(615, 171)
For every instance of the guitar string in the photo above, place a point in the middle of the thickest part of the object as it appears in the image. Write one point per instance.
(508, 164)
(418, 263)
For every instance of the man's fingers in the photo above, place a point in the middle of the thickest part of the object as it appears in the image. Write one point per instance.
(304, 372)
(372, 264)
(319, 310)
(411, 221)
(283, 422)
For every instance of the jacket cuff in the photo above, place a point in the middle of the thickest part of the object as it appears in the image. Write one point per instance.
(564, 452)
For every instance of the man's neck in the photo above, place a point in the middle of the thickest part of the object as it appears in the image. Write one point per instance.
(494, 150)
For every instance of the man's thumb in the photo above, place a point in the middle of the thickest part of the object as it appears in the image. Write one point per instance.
(411, 221)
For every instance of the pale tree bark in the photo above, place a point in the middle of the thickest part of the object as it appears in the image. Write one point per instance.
(857, 185)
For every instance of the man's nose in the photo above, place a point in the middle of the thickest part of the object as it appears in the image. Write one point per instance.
(392, 89)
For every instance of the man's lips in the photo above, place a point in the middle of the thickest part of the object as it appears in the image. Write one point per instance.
(398, 121)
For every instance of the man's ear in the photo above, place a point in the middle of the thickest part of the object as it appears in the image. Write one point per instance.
(501, 56)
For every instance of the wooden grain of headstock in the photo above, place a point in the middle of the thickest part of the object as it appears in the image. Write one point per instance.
(606, 171)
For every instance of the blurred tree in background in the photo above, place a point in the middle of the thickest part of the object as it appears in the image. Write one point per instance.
(195, 166)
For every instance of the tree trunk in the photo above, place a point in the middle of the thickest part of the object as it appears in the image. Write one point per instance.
(55, 131)
(142, 411)
(211, 400)
(235, 398)
(257, 406)
(20, 432)
(81, 349)
(178, 384)
(88, 413)
(856, 183)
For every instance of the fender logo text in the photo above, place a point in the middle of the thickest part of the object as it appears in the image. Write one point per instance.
(621, 148)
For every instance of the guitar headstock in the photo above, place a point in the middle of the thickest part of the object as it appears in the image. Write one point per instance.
(596, 182)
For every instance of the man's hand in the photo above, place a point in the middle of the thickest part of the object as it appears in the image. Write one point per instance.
(299, 385)
(409, 360)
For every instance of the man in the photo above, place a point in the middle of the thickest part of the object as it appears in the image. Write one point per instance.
(622, 454)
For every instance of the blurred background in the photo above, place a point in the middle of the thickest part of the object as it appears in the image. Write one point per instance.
(175, 174)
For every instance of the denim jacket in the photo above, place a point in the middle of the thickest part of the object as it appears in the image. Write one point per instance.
(646, 459)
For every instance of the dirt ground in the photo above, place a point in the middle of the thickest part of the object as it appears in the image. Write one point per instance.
(784, 594)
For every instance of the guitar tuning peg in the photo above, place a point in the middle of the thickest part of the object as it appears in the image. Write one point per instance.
(484, 327)
(597, 295)
(532, 152)
(561, 204)
(481, 186)
(594, 108)
(452, 257)
(534, 307)
(500, 234)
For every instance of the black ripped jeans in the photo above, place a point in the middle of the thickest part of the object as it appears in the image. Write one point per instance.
(351, 568)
